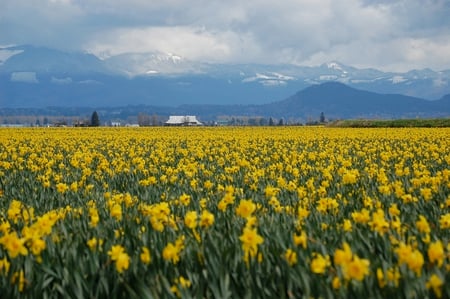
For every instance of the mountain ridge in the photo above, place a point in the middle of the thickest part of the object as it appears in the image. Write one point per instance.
(334, 99)
(38, 77)
(338, 100)
(277, 81)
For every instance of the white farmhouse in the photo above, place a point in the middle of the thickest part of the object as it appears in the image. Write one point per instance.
(180, 120)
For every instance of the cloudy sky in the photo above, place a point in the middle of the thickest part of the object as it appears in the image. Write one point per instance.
(392, 35)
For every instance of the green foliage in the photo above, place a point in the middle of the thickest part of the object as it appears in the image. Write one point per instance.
(397, 123)
(282, 170)
(95, 120)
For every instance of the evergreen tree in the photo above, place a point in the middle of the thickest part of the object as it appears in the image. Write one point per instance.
(95, 121)
(322, 117)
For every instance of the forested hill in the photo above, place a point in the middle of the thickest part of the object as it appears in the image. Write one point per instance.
(338, 100)
(335, 100)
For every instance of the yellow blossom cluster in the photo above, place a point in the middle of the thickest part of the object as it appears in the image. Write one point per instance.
(225, 212)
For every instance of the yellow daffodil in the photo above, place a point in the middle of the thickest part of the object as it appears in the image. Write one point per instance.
(206, 219)
(14, 244)
(145, 255)
(290, 257)
(319, 263)
(436, 253)
(245, 208)
(435, 283)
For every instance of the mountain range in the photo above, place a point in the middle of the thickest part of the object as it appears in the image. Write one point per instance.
(35, 77)
(333, 99)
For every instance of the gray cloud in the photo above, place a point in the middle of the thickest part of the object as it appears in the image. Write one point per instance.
(391, 35)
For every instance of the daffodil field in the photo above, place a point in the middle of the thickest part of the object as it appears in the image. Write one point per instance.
(224, 212)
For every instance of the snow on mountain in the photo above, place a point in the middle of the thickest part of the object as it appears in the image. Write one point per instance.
(269, 79)
(26, 77)
(335, 66)
(328, 77)
(136, 64)
(44, 60)
(359, 81)
(398, 79)
(28, 64)
(66, 80)
(440, 82)
(173, 57)
(6, 53)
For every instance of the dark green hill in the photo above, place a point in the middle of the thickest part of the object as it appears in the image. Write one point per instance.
(337, 100)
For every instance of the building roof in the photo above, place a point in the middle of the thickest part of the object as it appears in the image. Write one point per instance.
(183, 119)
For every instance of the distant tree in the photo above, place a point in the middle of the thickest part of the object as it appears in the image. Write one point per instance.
(143, 119)
(271, 123)
(45, 121)
(38, 122)
(154, 120)
(281, 122)
(252, 121)
(262, 121)
(95, 121)
(322, 117)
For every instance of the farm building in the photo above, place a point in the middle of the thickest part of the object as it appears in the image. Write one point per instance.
(179, 120)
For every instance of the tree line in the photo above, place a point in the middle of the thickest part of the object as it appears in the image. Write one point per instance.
(144, 120)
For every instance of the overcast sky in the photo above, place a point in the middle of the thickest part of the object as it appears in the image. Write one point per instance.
(392, 35)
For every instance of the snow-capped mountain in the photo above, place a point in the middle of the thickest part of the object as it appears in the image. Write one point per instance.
(32, 76)
(137, 64)
(43, 60)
